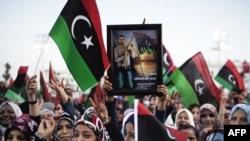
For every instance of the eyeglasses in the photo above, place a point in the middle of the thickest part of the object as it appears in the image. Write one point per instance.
(205, 115)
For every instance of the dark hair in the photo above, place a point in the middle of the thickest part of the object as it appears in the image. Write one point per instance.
(121, 35)
(188, 126)
(192, 106)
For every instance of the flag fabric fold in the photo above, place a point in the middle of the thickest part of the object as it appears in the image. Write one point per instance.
(168, 64)
(194, 82)
(44, 89)
(230, 78)
(148, 127)
(78, 35)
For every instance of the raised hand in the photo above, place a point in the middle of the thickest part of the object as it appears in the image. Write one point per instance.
(31, 88)
(46, 127)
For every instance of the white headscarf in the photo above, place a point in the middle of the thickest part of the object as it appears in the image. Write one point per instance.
(190, 117)
(17, 110)
(14, 106)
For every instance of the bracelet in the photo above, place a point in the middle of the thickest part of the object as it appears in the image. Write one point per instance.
(221, 114)
(32, 102)
(40, 136)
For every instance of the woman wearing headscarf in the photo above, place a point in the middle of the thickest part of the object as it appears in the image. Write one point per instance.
(89, 127)
(22, 128)
(183, 117)
(128, 129)
(209, 120)
(9, 111)
(240, 114)
(64, 128)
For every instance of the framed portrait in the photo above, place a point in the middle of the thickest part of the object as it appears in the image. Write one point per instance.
(135, 53)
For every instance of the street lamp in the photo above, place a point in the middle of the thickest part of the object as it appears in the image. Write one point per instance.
(221, 41)
(42, 44)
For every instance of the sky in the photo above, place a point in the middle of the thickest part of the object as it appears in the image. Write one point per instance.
(188, 26)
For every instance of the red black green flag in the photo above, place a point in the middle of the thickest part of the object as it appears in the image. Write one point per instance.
(230, 78)
(44, 89)
(78, 35)
(194, 82)
(168, 65)
(18, 86)
(148, 127)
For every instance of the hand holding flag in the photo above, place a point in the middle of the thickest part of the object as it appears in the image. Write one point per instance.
(31, 86)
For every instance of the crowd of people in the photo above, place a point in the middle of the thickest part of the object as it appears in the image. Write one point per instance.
(113, 119)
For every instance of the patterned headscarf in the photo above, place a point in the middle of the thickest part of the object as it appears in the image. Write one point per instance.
(64, 116)
(128, 117)
(94, 123)
(210, 107)
(24, 124)
(243, 107)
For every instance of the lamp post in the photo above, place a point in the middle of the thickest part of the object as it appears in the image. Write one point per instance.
(42, 44)
(221, 40)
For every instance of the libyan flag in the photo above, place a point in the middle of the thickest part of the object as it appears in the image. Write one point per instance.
(44, 89)
(18, 86)
(229, 77)
(11, 95)
(78, 35)
(148, 127)
(168, 65)
(194, 82)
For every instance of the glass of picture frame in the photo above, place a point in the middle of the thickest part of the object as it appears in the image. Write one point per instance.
(135, 54)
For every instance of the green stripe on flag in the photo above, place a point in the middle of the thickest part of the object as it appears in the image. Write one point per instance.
(223, 82)
(14, 96)
(186, 91)
(76, 64)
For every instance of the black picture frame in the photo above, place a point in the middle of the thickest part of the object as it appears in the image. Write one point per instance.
(146, 67)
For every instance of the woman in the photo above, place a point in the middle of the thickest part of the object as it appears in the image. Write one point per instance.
(183, 117)
(172, 109)
(195, 109)
(88, 127)
(22, 128)
(64, 128)
(128, 130)
(240, 114)
(209, 120)
(9, 111)
(192, 132)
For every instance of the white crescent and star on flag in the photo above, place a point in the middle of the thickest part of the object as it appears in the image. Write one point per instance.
(87, 40)
(231, 79)
(198, 84)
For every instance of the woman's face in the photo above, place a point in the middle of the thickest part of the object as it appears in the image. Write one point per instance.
(239, 117)
(182, 119)
(58, 110)
(64, 130)
(177, 105)
(16, 135)
(7, 115)
(195, 112)
(129, 132)
(207, 119)
(226, 117)
(83, 133)
(190, 134)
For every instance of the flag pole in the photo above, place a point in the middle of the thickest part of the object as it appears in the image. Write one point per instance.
(40, 56)
(144, 20)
